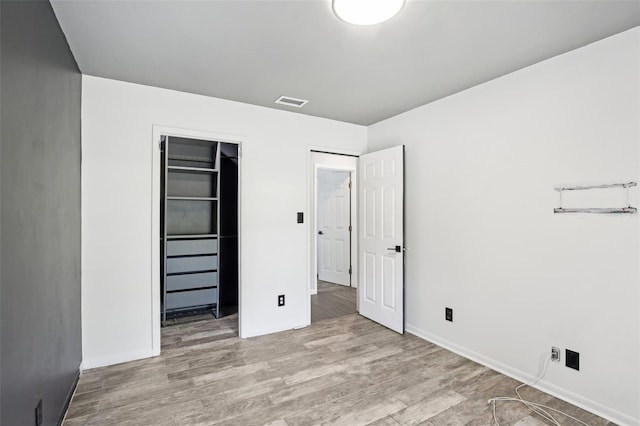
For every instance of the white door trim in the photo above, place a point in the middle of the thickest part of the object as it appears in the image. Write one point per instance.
(330, 162)
(157, 131)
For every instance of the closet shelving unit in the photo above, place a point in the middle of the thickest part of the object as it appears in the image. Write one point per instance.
(190, 213)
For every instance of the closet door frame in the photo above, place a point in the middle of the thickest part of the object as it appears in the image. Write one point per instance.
(156, 166)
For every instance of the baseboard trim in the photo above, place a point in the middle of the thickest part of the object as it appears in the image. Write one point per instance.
(556, 391)
(269, 330)
(67, 402)
(88, 364)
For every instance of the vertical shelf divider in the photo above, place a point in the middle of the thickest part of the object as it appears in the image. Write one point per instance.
(218, 165)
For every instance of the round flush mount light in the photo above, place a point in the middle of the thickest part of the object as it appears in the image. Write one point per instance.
(366, 12)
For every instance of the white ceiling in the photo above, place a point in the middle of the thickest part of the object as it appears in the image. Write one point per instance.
(255, 51)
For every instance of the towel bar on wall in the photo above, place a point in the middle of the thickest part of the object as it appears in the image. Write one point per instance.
(607, 210)
(606, 185)
(597, 210)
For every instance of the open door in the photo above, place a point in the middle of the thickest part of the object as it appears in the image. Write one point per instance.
(381, 252)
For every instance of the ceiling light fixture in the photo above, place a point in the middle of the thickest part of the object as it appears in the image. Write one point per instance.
(366, 12)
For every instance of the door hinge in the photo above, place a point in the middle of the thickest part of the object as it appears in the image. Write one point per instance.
(349, 184)
(350, 272)
(349, 228)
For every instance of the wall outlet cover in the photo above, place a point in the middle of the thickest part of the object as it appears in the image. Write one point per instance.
(448, 314)
(572, 359)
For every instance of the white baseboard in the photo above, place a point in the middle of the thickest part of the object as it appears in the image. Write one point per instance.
(556, 391)
(88, 364)
(272, 329)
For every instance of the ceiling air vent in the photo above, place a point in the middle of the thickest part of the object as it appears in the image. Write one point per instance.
(293, 102)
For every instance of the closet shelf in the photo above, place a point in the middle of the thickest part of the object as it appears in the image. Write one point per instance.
(190, 236)
(185, 169)
(181, 256)
(193, 198)
(204, 271)
(190, 158)
(182, 290)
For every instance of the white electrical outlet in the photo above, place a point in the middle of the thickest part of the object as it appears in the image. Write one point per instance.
(555, 354)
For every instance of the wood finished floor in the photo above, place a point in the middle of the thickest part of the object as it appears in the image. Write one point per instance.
(341, 371)
(332, 301)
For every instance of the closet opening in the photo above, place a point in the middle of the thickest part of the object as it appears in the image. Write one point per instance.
(199, 257)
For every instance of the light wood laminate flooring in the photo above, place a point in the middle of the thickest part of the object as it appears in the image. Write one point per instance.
(332, 301)
(342, 371)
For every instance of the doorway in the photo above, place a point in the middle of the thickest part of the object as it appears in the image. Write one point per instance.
(196, 247)
(377, 242)
(333, 284)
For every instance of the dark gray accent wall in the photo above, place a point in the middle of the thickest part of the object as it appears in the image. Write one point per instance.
(40, 327)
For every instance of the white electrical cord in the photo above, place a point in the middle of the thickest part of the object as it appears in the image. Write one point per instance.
(539, 409)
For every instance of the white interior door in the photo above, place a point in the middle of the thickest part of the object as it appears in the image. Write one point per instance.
(381, 253)
(334, 226)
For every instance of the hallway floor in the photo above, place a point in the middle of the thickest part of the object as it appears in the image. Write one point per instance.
(332, 301)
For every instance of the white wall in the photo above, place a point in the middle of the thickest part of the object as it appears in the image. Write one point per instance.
(118, 152)
(482, 237)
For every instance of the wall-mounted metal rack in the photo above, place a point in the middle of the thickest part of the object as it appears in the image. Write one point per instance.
(607, 210)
